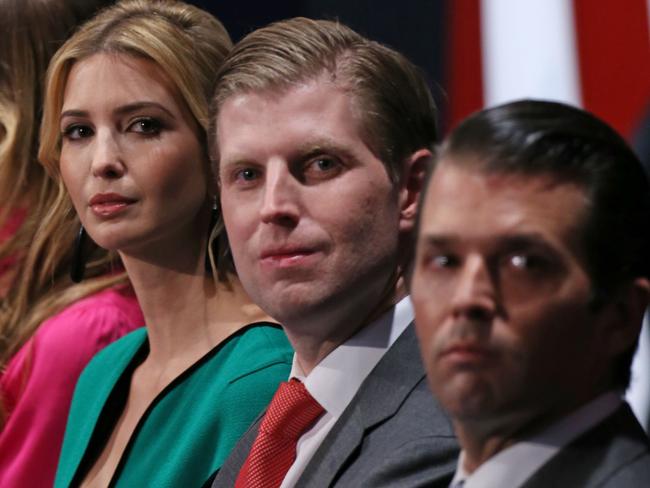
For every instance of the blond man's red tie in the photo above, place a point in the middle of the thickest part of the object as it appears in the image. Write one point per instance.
(290, 413)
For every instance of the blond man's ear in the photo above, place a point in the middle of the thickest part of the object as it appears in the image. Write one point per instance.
(411, 185)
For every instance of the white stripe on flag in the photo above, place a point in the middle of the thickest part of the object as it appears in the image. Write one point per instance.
(529, 51)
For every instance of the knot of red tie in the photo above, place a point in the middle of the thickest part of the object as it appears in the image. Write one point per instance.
(290, 413)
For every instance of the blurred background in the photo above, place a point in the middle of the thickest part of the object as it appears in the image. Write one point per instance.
(591, 53)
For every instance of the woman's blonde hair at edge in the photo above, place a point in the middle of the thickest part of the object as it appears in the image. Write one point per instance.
(30, 33)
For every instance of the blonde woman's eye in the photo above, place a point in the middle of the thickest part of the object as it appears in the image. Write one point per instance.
(77, 131)
(146, 125)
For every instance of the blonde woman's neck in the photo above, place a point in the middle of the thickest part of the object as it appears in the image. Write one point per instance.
(188, 314)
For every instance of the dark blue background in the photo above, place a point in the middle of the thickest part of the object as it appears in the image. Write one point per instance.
(416, 28)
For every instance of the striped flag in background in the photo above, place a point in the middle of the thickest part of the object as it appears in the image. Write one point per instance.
(590, 53)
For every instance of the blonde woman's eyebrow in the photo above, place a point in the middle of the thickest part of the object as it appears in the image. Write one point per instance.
(136, 106)
(121, 110)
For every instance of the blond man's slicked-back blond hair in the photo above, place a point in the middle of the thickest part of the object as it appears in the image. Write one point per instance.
(396, 111)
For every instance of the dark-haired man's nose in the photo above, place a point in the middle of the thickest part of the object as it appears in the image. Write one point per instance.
(475, 296)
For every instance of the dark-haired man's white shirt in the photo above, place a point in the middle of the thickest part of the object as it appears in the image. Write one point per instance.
(515, 465)
(336, 379)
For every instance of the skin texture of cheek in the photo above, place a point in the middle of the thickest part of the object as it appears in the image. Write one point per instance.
(73, 180)
(565, 363)
(181, 178)
(240, 222)
(371, 234)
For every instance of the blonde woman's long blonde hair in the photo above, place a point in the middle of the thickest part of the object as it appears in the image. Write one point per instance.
(190, 45)
(30, 33)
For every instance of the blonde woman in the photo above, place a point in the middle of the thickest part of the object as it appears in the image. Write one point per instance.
(49, 327)
(124, 129)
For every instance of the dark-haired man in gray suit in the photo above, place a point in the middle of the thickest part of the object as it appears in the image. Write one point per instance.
(321, 140)
(530, 283)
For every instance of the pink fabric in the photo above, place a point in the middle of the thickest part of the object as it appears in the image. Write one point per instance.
(10, 227)
(39, 380)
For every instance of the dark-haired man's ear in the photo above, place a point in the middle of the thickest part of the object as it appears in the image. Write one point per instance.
(629, 310)
(411, 185)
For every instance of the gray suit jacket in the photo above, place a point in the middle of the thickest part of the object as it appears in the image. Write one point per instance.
(393, 433)
(613, 454)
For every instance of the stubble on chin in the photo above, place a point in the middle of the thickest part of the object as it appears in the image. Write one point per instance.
(475, 391)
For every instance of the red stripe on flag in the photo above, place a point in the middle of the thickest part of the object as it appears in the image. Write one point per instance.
(614, 53)
(464, 72)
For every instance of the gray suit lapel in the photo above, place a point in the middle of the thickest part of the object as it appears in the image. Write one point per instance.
(595, 455)
(378, 398)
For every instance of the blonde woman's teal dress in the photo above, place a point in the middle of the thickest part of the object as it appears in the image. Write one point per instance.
(191, 426)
